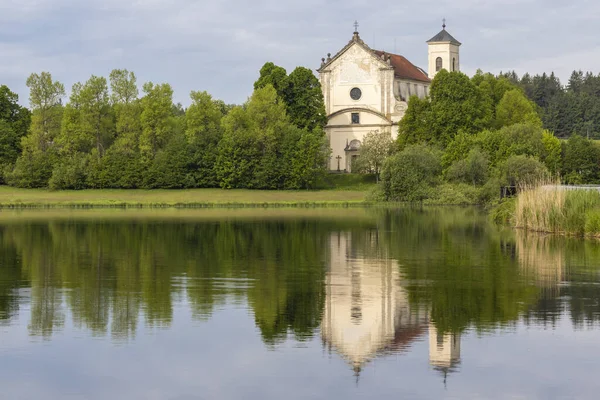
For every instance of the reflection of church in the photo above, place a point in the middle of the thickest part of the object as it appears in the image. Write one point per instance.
(367, 312)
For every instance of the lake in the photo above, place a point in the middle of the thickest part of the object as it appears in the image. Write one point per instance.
(411, 303)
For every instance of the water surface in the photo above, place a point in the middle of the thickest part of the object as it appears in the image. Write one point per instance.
(295, 304)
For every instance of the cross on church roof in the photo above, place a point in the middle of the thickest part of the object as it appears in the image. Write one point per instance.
(444, 23)
(355, 26)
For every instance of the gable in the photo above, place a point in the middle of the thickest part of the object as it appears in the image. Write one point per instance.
(403, 69)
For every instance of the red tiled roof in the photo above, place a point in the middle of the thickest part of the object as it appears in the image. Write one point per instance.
(404, 69)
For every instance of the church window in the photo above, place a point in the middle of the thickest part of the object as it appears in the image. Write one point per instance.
(438, 64)
(355, 93)
(416, 89)
(355, 118)
(454, 64)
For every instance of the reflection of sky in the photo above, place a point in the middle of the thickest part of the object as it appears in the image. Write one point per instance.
(224, 358)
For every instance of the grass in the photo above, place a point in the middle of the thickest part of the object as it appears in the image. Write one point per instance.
(554, 209)
(193, 198)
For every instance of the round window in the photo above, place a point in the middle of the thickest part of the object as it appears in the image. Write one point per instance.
(355, 94)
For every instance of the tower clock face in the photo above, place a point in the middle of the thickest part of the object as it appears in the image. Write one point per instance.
(355, 94)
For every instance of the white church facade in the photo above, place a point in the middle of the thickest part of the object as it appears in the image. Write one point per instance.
(368, 90)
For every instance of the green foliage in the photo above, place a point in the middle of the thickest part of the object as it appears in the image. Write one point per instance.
(457, 195)
(275, 76)
(304, 100)
(9, 143)
(515, 108)
(457, 149)
(262, 149)
(410, 174)
(169, 169)
(203, 132)
(414, 126)
(34, 166)
(519, 139)
(521, 170)
(155, 118)
(472, 170)
(14, 124)
(375, 148)
(581, 161)
(33, 169)
(70, 172)
(457, 105)
(552, 152)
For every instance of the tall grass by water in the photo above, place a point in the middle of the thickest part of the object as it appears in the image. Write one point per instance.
(558, 209)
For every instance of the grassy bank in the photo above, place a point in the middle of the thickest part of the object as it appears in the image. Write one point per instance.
(552, 209)
(193, 198)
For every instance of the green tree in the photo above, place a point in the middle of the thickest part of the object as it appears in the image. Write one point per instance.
(17, 121)
(415, 125)
(472, 170)
(374, 149)
(410, 174)
(34, 167)
(155, 117)
(552, 156)
(457, 105)
(522, 170)
(126, 106)
(276, 76)
(581, 161)
(304, 100)
(203, 132)
(515, 108)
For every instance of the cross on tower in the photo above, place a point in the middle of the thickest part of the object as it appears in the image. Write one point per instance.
(444, 23)
(355, 26)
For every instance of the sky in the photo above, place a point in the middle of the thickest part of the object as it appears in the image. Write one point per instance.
(219, 46)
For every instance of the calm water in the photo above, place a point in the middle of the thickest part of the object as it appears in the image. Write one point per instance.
(292, 304)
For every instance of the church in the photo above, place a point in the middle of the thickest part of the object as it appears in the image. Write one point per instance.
(368, 90)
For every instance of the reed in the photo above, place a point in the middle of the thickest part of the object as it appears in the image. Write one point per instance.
(558, 209)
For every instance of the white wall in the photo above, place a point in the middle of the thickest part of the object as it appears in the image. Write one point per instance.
(447, 52)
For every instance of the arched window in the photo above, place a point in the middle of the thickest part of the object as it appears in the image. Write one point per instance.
(438, 64)
(454, 64)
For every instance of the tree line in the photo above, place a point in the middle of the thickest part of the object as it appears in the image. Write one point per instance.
(108, 135)
(568, 109)
(471, 137)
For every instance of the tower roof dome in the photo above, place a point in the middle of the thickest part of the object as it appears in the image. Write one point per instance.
(444, 37)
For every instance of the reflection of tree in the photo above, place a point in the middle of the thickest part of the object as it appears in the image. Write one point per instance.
(552, 261)
(111, 274)
(10, 279)
(453, 262)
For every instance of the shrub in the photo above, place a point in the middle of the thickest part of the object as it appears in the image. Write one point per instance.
(408, 175)
(33, 169)
(457, 195)
(70, 173)
(472, 170)
(521, 170)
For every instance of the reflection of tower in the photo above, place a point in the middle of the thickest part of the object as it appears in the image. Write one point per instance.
(444, 350)
(366, 310)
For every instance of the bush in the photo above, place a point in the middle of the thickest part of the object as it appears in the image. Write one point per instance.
(410, 174)
(70, 173)
(472, 170)
(521, 171)
(33, 169)
(456, 195)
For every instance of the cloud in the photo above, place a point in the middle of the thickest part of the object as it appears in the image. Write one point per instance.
(220, 46)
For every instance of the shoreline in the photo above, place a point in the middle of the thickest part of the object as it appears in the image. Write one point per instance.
(17, 199)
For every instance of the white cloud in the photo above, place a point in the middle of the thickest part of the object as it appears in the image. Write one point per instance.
(219, 46)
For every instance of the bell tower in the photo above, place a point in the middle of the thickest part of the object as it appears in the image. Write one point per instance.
(443, 52)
